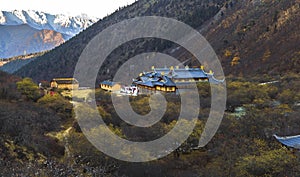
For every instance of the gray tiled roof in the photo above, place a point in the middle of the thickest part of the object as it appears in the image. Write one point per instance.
(110, 83)
(184, 73)
(152, 79)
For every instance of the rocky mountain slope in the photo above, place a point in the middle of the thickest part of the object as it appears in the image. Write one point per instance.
(251, 38)
(17, 40)
(31, 31)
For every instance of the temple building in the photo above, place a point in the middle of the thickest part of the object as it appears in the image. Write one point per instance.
(110, 86)
(187, 75)
(154, 81)
(64, 83)
(170, 79)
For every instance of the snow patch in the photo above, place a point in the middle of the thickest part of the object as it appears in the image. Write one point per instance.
(61, 23)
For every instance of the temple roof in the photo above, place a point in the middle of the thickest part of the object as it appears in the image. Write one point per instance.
(290, 141)
(183, 73)
(109, 83)
(154, 79)
(65, 80)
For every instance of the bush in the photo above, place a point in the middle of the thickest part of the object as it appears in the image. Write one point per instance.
(57, 103)
(28, 88)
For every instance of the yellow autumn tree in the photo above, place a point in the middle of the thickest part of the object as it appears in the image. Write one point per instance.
(266, 55)
(235, 60)
(227, 53)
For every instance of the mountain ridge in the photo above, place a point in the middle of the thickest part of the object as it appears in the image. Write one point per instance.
(23, 39)
(31, 31)
(61, 23)
(246, 36)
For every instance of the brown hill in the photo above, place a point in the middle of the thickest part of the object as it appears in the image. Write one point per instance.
(264, 35)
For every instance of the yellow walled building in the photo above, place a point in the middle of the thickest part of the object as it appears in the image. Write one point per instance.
(110, 86)
(64, 83)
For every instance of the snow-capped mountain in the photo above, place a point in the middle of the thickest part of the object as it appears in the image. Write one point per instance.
(24, 32)
(60, 23)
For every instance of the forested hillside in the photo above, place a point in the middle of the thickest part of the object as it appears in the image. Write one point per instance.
(62, 61)
(251, 38)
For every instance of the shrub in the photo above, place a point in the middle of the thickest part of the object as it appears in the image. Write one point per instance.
(28, 88)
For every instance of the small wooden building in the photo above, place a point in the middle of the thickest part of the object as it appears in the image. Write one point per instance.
(110, 86)
(64, 83)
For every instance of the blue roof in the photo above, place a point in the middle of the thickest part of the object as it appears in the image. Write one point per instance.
(168, 81)
(110, 83)
(158, 83)
(154, 79)
(148, 83)
(184, 73)
(290, 141)
(166, 76)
